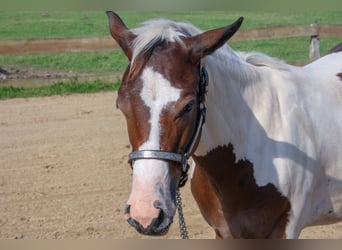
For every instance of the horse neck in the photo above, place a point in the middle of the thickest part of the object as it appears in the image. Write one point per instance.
(228, 115)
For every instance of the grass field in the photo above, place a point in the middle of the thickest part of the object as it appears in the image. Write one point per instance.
(41, 25)
(29, 25)
(60, 88)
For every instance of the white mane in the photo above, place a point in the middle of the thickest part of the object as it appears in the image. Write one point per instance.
(155, 30)
(260, 59)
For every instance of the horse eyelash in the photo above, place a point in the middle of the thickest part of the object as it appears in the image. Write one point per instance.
(188, 107)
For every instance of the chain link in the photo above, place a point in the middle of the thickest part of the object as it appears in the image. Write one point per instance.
(182, 226)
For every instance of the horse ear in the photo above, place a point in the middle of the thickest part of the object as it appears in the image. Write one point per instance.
(120, 33)
(206, 43)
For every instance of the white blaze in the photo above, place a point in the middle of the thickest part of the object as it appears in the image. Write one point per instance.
(157, 92)
(151, 179)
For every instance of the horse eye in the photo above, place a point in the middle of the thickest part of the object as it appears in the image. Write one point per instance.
(188, 107)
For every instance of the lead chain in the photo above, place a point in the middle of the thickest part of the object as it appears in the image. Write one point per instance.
(182, 225)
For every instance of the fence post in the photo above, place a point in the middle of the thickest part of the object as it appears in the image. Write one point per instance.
(314, 43)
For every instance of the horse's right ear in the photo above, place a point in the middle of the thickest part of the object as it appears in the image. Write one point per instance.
(120, 33)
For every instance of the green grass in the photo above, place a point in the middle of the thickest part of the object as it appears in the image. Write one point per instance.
(35, 24)
(80, 62)
(288, 49)
(29, 25)
(42, 25)
(60, 88)
(293, 49)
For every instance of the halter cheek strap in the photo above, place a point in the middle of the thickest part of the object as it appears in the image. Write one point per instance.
(176, 157)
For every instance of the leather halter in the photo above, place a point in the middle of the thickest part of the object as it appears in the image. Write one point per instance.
(177, 157)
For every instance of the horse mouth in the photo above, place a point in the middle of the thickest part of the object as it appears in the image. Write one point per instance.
(150, 230)
(158, 227)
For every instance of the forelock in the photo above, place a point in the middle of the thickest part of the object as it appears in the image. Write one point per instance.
(155, 31)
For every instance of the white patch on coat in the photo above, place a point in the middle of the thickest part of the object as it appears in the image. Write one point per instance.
(286, 120)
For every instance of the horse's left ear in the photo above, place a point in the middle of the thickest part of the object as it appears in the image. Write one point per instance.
(206, 43)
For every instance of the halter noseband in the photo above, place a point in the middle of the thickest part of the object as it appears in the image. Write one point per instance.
(176, 157)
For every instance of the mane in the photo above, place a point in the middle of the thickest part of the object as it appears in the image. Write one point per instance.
(259, 59)
(155, 31)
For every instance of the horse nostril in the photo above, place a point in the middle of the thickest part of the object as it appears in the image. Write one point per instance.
(160, 218)
(158, 204)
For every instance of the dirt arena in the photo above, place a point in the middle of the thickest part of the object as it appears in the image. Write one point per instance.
(64, 172)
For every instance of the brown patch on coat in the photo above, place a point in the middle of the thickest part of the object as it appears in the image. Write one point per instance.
(134, 109)
(209, 203)
(249, 210)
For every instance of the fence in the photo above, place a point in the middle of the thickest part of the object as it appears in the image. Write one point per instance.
(314, 31)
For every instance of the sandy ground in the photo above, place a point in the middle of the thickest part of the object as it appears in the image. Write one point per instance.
(64, 172)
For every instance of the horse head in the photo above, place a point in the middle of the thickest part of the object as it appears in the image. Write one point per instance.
(162, 102)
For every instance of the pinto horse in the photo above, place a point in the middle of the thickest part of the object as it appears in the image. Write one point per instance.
(264, 136)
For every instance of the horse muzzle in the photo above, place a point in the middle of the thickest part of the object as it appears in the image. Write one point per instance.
(151, 205)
